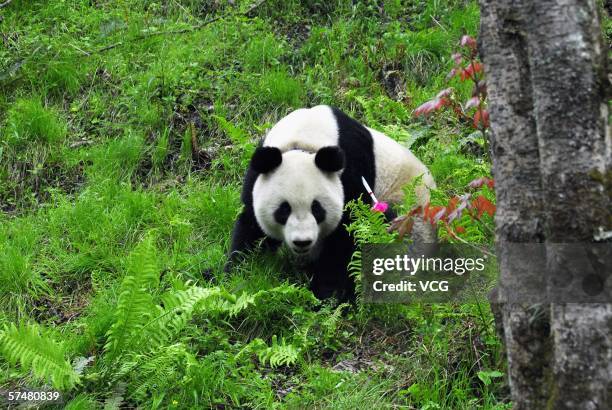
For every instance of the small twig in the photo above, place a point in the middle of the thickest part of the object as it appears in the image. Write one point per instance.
(194, 141)
(111, 46)
(478, 248)
(6, 3)
(438, 23)
(79, 49)
(80, 143)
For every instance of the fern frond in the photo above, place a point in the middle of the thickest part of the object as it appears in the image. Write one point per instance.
(330, 324)
(135, 304)
(142, 264)
(82, 401)
(354, 266)
(116, 399)
(157, 370)
(236, 134)
(41, 354)
(285, 294)
(177, 312)
(240, 303)
(367, 226)
(277, 354)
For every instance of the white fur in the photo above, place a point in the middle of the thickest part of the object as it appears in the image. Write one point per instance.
(396, 166)
(307, 129)
(298, 181)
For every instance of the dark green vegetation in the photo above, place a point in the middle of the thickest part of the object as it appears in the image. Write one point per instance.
(125, 129)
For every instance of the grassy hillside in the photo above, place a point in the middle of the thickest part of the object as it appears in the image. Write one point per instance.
(125, 128)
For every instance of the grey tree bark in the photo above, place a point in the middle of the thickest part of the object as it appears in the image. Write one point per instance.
(548, 84)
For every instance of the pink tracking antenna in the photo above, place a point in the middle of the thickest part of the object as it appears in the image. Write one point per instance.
(378, 206)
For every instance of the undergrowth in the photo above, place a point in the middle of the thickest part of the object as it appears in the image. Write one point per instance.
(126, 128)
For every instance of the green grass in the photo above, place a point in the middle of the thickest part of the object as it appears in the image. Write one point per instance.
(28, 122)
(122, 150)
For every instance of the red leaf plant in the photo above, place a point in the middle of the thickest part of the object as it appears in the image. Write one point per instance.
(474, 110)
(474, 206)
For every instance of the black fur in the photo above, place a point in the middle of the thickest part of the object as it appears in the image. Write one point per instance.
(266, 159)
(330, 159)
(358, 146)
(318, 211)
(356, 155)
(282, 213)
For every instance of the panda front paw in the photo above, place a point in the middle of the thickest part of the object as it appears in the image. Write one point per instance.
(322, 291)
(208, 274)
(342, 291)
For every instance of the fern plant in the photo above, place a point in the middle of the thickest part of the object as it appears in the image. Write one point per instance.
(159, 360)
(41, 354)
(154, 371)
(279, 353)
(367, 226)
(135, 303)
(177, 312)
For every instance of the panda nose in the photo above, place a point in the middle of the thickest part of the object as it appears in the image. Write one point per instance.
(302, 244)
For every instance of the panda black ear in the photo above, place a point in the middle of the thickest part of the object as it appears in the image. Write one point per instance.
(266, 159)
(330, 159)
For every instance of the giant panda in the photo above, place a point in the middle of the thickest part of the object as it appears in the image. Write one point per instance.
(300, 178)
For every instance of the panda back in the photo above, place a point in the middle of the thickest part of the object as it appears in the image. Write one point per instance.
(396, 167)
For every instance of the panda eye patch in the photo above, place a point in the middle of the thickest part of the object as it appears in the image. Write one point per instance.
(318, 211)
(282, 213)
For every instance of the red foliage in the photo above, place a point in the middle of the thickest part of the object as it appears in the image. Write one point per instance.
(473, 71)
(441, 100)
(479, 182)
(452, 204)
(428, 107)
(472, 102)
(433, 213)
(481, 119)
(482, 205)
(475, 208)
(469, 72)
(467, 41)
(444, 93)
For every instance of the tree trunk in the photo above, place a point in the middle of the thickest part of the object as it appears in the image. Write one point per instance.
(552, 154)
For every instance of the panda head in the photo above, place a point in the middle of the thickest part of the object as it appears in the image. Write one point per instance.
(298, 197)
